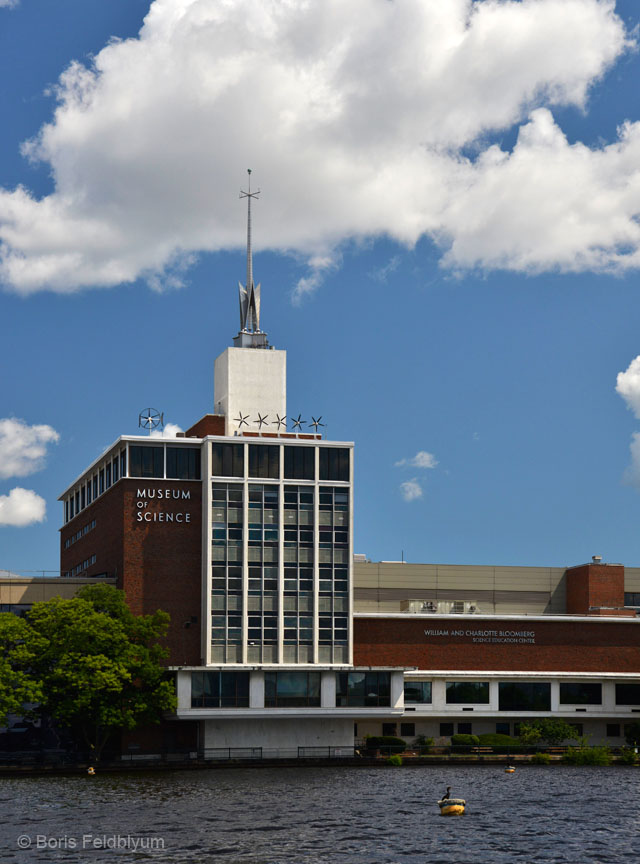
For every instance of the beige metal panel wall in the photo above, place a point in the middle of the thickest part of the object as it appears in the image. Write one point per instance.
(20, 591)
(494, 589)
(632, 579)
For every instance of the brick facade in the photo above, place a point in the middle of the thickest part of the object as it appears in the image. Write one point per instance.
(158, 564)
(557, 646)
(592, 586)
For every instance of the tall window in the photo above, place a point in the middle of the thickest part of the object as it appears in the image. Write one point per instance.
(417, 692)
(363, 689)
(219, 689)
(467, 692)
(183, 463)
(146, 461)
(228, 460)
(334, 463)
(627, 694)
(264, 460)
(299, 463)
(291, 689)
(524, 696)
(580, 693)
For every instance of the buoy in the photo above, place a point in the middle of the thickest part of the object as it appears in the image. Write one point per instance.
(510, 769)
(91, 770)
(451, 806)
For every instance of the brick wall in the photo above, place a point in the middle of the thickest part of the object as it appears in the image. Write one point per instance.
(594, 585)
(157, 564)
(562, 646)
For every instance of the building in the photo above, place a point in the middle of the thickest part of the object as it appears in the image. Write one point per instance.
(242, 529)
(489, 647)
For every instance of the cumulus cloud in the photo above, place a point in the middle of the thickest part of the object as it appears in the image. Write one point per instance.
(358, 119)
(628, 386)
(170, 430)
(21, 507)
(8, 4)
(23, 448)
(411, 490)
(422, 459)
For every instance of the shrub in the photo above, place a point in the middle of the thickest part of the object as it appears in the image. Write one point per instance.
(395, 760)
(548, 729)
(628, 756)
(460, 739)
(541, 759)
(588, 756)
(388, 743)
(496, 740)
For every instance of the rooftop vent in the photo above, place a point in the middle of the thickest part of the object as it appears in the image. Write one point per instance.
(597, 559)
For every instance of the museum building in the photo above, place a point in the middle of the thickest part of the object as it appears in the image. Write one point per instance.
(242, 529)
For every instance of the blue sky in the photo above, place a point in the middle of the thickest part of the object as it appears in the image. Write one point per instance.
(447, 242)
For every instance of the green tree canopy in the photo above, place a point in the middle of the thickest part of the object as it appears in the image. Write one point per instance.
(17, 685)
(100, 666)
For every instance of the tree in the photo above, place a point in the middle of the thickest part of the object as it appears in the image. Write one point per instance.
(548, 729)
(18, 686)
(100, 665)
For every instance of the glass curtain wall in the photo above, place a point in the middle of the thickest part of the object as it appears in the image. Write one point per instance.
(333, 555)
(263, 574)
(226, 584)
(298, 574)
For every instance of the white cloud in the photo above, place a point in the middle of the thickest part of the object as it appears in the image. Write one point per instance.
(422, 459)
(631, 474)
(628, 386)
(353, 116)
(169, 431)
(23, 448)
(8, 4)
(411, 490)
(21, 507)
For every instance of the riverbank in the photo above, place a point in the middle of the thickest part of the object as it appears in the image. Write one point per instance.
(155, 765)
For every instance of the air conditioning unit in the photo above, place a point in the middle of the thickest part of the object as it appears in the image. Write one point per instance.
(457, 607)
(429, 606)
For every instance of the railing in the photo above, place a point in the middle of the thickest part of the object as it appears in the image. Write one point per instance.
(226, 753)
(326, 752)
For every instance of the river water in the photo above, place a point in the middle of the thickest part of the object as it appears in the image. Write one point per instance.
(325, 816)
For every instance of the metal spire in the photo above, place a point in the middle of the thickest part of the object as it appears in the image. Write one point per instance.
(249, 294)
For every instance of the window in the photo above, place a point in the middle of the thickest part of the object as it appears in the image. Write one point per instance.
(228, 460)
(627, 694)
(613, 730)
(145, 461)
(503, 729)
(408, 729)
(417, 692)
(580, 693)
(299, 463)
(446, 729)
(632, 599)
(578, 729)
(464, 729)
(123, 463)
(334, 463)
(389, 729)
(220, 689)
(291, 689)
(467, 692)
(264, 461)
(183, 463)
(363, 689)
(108, 475)
(524, 696)
(115, 470)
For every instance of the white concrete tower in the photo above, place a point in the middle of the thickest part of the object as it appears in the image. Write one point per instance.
(250, 379)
